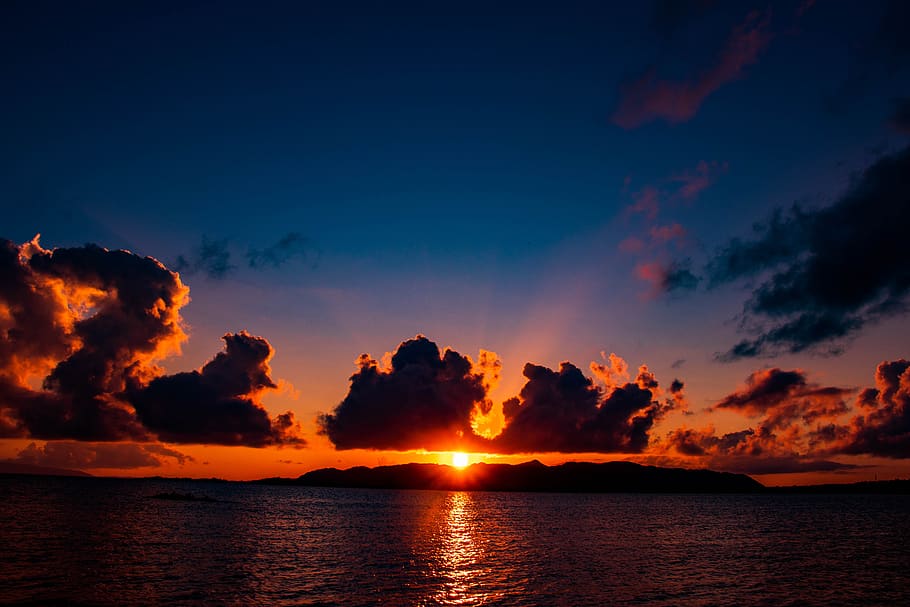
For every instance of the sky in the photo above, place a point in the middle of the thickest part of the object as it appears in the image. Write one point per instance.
(287, 236)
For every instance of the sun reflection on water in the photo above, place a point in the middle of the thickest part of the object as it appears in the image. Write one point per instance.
(459, 554)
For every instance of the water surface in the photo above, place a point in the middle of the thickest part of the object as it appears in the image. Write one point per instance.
(105, 542)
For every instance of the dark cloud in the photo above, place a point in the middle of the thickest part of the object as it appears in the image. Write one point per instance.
(86, 321)
(430, 400)
(83, 456)
(678, 363)
(829, 272)
(426, 400)
(649, 98)
(782, 238)
(214, 257)
(563, 411)
(788, 410)
(900, 117)
(883, 428)
(290, 245)
(799, 424)
(88, 326)
(219, 403)
(784, 397)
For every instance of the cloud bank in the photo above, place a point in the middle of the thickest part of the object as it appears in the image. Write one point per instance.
(81, 331)
(429, 399)
(799, 424)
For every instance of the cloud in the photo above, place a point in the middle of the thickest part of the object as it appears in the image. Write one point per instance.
(799, 424)
(213, 257)
(883, 428)
(649, 98)
(828, 272)
(668, 277)
(647, 202)
(613, 372)
(81, 331)
(219, 403)
(668, 233)
(693, 183)
(782, 238)
(291, 245)
(684, 186)
(83, 456)
(784, 397)
(82, 322)
(425, 400)
(563, 411)
(664, 275)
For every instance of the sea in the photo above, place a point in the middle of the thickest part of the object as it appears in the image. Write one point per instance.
(102, 541)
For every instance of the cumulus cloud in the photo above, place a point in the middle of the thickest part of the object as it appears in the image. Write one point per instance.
(425, 400)
(81, 323)
(217, 404)
(883, 427)
(825, 273)
(563, 411)
(81, 331)
(84, 456)
(649, 98)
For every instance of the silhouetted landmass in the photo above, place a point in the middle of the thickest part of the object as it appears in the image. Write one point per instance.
(572, 477)
(7, 467)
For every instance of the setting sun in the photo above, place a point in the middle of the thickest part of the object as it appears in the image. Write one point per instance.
(459, 460)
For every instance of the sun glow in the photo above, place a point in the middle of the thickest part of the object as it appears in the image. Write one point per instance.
(459, 460)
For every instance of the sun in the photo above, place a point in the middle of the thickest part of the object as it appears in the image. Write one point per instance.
(459, 460)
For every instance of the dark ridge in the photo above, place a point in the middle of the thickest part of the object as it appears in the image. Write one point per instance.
(7, 467)
(572, 477)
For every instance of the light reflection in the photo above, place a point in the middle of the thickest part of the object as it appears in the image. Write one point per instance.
(459, 554)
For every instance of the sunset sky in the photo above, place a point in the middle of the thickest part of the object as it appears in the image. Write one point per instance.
(665, 232)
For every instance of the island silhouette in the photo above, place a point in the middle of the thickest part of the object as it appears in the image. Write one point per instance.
(570, 477)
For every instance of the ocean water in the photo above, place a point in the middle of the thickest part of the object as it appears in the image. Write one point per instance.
(105, 542)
